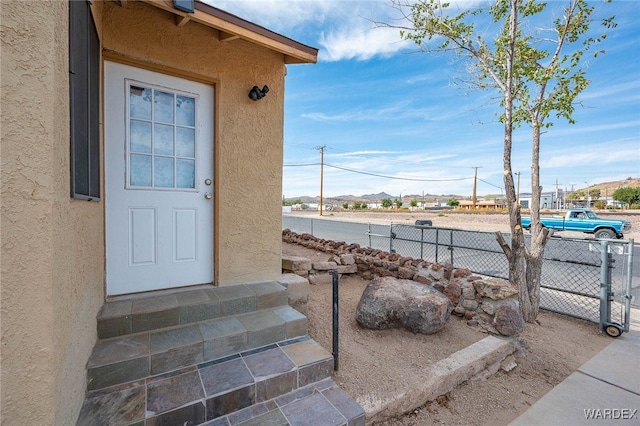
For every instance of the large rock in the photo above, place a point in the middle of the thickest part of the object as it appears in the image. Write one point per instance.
(324, 266)
(295, 263)
(508, 319)
(453, 290)
(495, 288)
(297, 290)
(392, 303)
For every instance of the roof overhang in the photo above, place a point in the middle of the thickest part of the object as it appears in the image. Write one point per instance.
(232, 27)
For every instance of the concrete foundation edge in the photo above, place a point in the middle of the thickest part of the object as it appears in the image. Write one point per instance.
(481, 358)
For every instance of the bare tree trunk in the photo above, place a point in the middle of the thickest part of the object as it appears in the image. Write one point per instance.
(539, 234)
(516, 253)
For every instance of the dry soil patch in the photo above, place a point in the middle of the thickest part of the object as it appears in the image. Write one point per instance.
(387, 361)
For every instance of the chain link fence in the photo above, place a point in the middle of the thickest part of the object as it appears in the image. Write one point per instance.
(572, 272)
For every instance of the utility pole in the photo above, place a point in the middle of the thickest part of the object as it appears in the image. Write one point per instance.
(557, 199)
(573, 196)
(518, 193)
(475, 185)
(321, 149)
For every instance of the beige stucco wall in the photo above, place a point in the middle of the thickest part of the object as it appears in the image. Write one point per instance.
(249, 135)
(52, 260)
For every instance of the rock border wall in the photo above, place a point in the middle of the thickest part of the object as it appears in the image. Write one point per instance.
(488, 303)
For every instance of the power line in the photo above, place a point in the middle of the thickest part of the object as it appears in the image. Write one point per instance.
(394, 177)
(489, 183)
(377, 174)
(387, 176)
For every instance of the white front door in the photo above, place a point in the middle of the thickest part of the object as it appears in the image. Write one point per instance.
(158, 180)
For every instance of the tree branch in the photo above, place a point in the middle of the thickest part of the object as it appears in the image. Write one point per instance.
(503, 244)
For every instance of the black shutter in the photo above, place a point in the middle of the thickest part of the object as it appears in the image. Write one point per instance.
(84, 96)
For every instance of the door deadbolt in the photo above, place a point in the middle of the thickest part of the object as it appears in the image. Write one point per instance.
(207, 181)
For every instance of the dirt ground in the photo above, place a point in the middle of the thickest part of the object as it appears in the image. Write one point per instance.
(374, 363)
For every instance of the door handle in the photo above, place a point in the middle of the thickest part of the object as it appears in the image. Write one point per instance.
(208, 195)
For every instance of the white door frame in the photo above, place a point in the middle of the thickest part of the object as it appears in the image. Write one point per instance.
(157, 237)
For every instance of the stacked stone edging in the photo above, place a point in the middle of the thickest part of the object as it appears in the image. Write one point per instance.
(486, 302)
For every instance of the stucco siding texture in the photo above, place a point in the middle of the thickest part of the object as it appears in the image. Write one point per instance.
(52, 261)
(53, 258)
(248, 135)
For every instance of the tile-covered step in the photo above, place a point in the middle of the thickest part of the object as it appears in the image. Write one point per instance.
(132, 357)
(321, 403)
(137, 314)
(283, 380)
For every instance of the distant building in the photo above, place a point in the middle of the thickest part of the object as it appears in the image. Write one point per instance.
(548, 200)
(494, 204)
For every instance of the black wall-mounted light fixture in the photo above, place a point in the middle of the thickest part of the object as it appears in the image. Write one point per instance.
(256, 93)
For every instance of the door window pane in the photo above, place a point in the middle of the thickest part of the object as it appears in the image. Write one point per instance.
(168, 145)
(140, 136)
(140, 170)
(185, 111)
(163, 139)
(163, 107)
(163, 172)
(185, 142)
(140, 102)
(185, 173)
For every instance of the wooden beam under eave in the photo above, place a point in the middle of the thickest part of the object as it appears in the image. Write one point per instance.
(123, 3)
(181, 20)
(257, 38)
(288, 59)
(222, 36)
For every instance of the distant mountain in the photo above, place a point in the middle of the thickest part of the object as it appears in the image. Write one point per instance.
(370, 198)
(608, 188)
(378, 196)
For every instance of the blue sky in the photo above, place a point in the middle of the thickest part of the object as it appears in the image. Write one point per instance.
(381, 108)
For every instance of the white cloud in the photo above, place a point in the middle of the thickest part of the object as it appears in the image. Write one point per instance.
(360, 40)
(595, 155)
(623, 90)
(344, 29)
(362, 153)
(394, 112)
(278, 15)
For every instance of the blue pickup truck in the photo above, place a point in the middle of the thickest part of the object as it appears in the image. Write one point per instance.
(582, 220)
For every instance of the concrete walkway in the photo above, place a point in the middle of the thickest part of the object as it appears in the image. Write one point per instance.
(604, 390)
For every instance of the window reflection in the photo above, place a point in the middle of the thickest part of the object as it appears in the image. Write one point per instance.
(185, 173)
(163, 107)
(140, 102)
(140, 136)
(162, 139)
(186, 111)
(163, 172)
(185, 142)
(140, 170)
